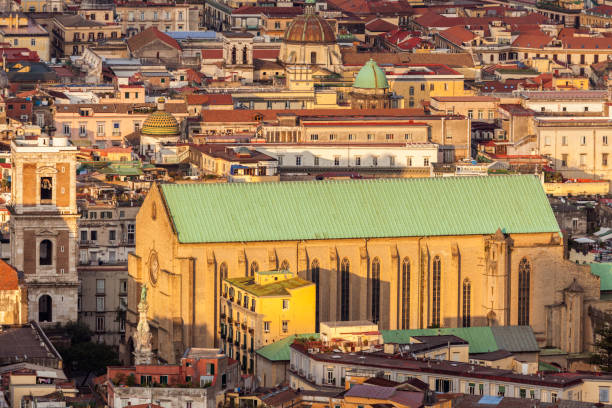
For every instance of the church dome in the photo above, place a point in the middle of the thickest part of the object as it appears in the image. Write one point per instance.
(370, 76)
(160, 123)
(309, 28)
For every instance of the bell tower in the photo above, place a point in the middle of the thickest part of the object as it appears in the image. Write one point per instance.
(43, 226)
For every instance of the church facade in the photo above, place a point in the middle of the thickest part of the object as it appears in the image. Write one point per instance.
(405, 253)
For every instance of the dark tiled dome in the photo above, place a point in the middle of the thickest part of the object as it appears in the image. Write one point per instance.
(310, 28)
(160, 123)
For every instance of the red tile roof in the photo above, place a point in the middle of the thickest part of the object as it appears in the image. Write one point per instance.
(380, 25)
(270, 54)
(8, 277)
(589, 43)
(149, 35)
(209, 99)
(532, 40)
(603, 10)
(212, 54)
(458, 35)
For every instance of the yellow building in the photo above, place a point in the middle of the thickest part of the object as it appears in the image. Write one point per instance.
(388, 251)
(20, 31)
(262, 308)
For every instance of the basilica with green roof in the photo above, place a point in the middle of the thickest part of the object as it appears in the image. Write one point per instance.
(404, 253)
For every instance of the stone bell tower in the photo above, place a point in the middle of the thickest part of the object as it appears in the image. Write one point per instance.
(43, 226)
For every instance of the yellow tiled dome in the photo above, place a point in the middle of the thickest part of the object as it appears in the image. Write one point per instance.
(160, 123)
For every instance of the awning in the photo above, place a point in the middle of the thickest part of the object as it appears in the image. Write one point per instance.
(584, 240)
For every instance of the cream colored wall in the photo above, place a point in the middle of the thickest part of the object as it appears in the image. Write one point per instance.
(41, 44)
(18, 391)
(590, 389)
(550, 142)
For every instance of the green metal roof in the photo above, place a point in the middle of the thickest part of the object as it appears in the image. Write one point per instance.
(375, 208)
(279, 350)
(480, 338)
(370, 76)
(542, 366)
(604, 271)
(515, 338)
(483, 339)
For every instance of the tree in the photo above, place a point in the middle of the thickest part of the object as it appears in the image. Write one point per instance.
(83, 355)
(603, 349)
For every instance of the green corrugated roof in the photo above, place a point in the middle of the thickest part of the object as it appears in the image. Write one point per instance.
(604, 271)
(237, 212)
(279, 350)
(515, 338)
(482, 339)
(542, 366)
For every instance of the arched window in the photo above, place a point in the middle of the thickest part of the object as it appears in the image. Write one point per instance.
(46, 188)
(345, 270)
(45, 254)
(314, 277)
(222, 275)
(313, 57)
(375, 290)
(45, 309)
(233, 55)
(524, 277)
(245, 59)
(254, 268)
(435, 292)
(284, 265)
(467, 303)
(405, 293)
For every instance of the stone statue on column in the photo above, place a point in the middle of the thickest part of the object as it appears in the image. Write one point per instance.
(142, 338)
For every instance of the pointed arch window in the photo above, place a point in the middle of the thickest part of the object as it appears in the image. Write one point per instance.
(222, 275)
(345, 271)
(524, 277)
(284, 265)
(405, 294)
(375, 277)
(435, 292)
(254, 268)
(314, 277)
(467, 303)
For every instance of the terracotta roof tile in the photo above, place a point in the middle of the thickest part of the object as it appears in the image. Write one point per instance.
(149, 35)
(380, 25)
(532, 40)
(458, 35)
(9, 279)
